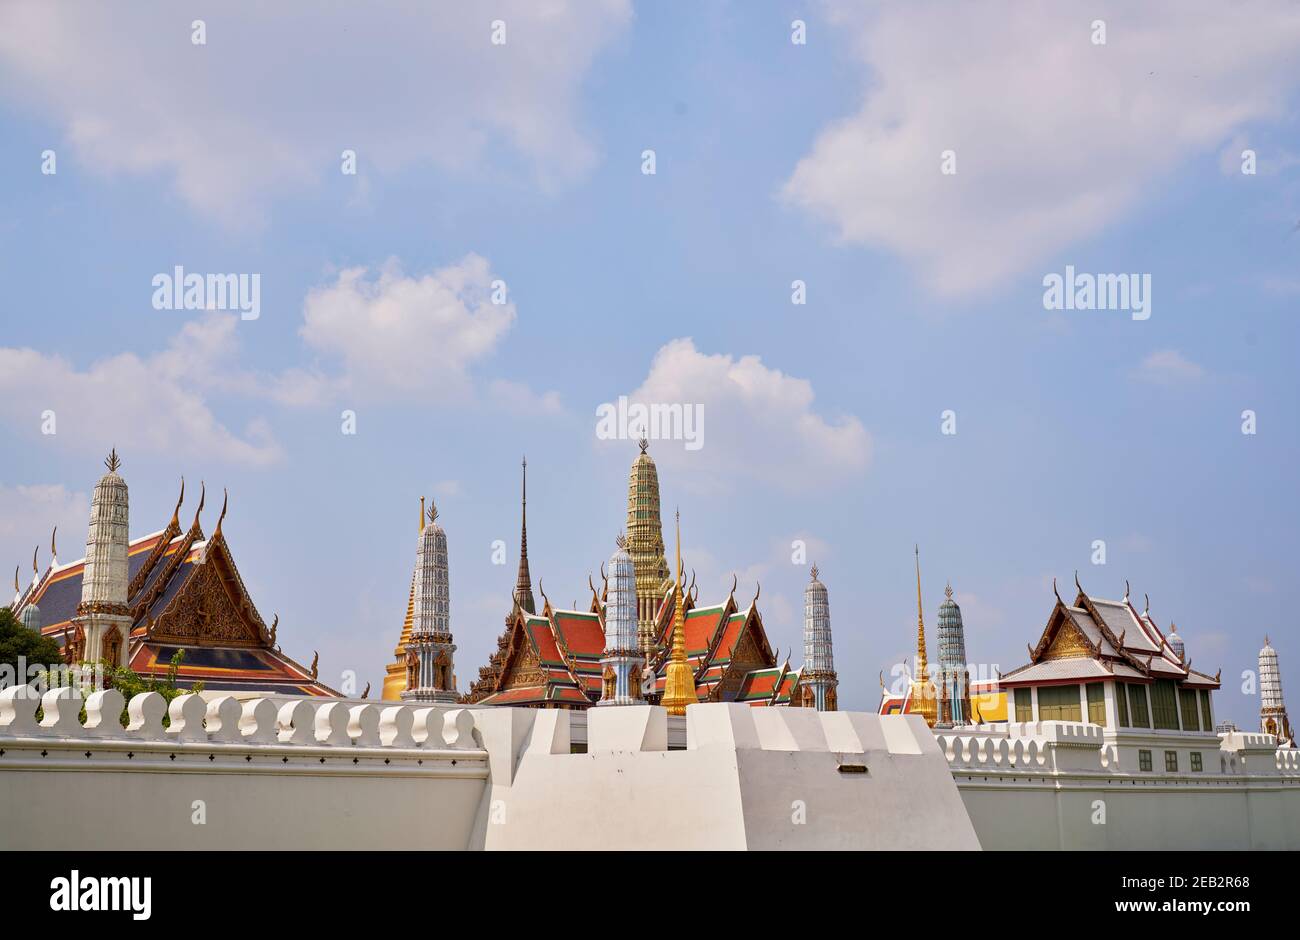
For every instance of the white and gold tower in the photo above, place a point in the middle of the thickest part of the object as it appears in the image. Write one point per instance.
(103, 619)
(430, 664)
(622, 662)
(1272, 709)
(818, 677)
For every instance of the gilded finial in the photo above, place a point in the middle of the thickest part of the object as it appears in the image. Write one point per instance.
(16, 587)
(275, 625)
(35, 552)
(734, 582)
(433, 510)
(225, 499)
(1126, 590)
(621, 541)
(315, 663)
(1076, 582)
(112, 461)
(947, 590)
(421, 513)
(758, 590)
(815, 572)
(366, 693)
(1057, 593)
(203, 495)
(1146, 598)
(176, 513)
(643, 444)
(54, 551)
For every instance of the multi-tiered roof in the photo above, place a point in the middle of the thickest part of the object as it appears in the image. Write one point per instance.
(185, 593)
(1097, 639)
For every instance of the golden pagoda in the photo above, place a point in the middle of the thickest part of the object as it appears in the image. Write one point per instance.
(395, 672)
(645, 543)
(922, 693)
(679, 680)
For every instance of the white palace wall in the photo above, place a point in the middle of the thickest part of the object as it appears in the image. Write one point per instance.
(1052, 785)
(749, 778)
(301, 774)
(276, 772)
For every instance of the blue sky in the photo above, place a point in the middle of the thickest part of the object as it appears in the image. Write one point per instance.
(774, 162)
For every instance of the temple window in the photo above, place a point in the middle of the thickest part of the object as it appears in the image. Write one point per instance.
(1164, 706)
(1121, 703)
(1059, 703)
(112, 647)
(1171, 762)
(1137, 700)
(1197, 766)
(1096, 703)
(1187, 702)
(1024, 704)
(1207, 721)
(1144, 760)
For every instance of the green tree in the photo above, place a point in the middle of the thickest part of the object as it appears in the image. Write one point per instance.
(20, 646)
(131, 683)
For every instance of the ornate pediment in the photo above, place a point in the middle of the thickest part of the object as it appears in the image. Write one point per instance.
(209, 610)
(523, 669)
(1069, 643)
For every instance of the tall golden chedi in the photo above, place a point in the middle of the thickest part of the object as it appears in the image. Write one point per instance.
(922, 694)
(645, 543)
(395, 671)
(679, 680)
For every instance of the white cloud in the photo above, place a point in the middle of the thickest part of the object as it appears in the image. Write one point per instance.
(401, 83)
(757, 422)
(399, 336)
(519, 399)
(156, 403)
(27, 516)
(1169, 367)
(386, 336)
(1055, 137)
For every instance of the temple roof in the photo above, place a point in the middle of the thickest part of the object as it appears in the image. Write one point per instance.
(555, 656)
(185, 593)
(1096, 638)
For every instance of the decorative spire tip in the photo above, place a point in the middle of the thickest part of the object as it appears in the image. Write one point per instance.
(643, 444)
(112, 461)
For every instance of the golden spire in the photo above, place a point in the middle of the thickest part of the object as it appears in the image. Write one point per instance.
(920, 618)
(923, 697)
(421, 513)
(679, 685)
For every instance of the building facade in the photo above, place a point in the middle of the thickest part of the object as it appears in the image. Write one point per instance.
(563, 658)
(1272, 708)
(139, 602)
